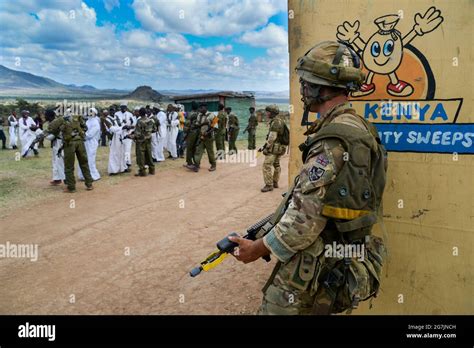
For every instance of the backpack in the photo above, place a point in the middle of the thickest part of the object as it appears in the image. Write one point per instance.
(285, 135)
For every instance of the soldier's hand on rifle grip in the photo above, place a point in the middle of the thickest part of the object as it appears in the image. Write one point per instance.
(248, 250)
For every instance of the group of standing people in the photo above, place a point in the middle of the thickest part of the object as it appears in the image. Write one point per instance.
(154, 130)
(202, 129)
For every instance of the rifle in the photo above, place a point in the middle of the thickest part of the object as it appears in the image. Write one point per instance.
(32, 146)
(60, 150)
(208, 132)
(225, 246)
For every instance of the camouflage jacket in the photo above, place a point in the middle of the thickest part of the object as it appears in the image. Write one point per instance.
(144, 128)
(69, 129)
(222, 124)
(190, 122)
(233, 121)
(253, 123)
(302, 223)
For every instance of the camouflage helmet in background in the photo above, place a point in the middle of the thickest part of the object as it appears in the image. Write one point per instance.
(331, 63)
(273, 109)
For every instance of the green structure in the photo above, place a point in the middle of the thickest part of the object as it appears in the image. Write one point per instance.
(239, 102)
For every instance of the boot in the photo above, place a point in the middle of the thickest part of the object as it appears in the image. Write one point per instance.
(267, 188)
(275, 184)
(213, 168)
(89, 188)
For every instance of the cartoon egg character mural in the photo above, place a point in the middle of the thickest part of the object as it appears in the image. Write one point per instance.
(382, 54)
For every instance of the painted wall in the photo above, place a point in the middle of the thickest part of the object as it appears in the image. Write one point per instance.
(428, 129)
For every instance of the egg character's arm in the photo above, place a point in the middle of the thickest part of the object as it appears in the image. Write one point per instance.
(424, 24)
(349, 33)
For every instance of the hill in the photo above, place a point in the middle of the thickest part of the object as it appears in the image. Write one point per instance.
(145, 93)
(17, 83)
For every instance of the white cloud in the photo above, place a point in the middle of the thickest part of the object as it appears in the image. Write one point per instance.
(205, 17)
(111, 4)
(270, 36)
(137, 39)
(77, 50)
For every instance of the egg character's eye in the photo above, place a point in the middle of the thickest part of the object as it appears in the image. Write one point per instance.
(375, 49)
(388, 48)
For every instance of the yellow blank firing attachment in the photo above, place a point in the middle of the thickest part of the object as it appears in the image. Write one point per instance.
(209, 263)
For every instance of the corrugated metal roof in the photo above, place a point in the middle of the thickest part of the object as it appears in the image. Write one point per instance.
(227, 94)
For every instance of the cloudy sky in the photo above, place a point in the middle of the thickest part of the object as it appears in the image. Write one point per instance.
(174, 44)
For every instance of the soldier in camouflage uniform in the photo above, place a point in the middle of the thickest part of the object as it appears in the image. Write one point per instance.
(232, 129)
(72, 130)
(272, 149)
(252, 129)
(191, 135)
(205, 121)
(336, 198)
(142, 136)
(220, 132)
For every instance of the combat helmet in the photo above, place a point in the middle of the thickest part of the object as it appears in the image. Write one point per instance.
(273, 109)
(330, 63)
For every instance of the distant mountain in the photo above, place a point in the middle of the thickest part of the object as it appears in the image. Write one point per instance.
(18, 79)
(14, 83)
(258, 94)
(83, 87)
(22, 84)
(145, 93)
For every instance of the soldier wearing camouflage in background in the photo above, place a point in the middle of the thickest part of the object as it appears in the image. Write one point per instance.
(232, 129)
(335, 199)
(205, 121)
(252, 129)
(272, 149)
(191, 135)
(143, 130)
(220, 132)
(72, 130)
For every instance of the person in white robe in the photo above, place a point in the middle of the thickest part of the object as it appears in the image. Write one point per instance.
(128, 125)
(13, 130)
(91, 144)
(57, 153)
(153, 114)
(172, 128)
(161, 136)
(28, 133)
(116, 163)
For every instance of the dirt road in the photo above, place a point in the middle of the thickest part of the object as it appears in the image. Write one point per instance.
(128, 248)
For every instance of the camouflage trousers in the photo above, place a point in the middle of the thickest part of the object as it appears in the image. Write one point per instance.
(191, 141)
(271, 161)
(220, 143)
(232, 139)
(144, 158)
(76, 148)
(251, 139)
(296, 287)
(292, 286)
(208, 146)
